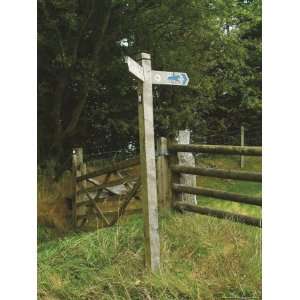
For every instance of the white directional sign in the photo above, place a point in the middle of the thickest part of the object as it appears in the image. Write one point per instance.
(170, 78)
(158, 77)
(135, 68)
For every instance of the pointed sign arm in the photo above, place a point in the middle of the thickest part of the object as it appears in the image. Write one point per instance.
(135, 68)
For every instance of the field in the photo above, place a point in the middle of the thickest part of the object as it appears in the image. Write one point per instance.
(202, 257)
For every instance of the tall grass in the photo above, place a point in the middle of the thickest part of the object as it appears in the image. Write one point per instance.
(53, 208)
(201, 257)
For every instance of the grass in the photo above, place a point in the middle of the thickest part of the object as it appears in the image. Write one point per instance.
(201, 257)
(242, 187)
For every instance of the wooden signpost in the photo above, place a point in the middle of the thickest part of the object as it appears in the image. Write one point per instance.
(147, 77)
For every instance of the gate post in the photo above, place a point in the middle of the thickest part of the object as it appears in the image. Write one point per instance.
(162, 172)
(77, 162)
(172, 177)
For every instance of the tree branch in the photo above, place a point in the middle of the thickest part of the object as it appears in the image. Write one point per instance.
(77, 43)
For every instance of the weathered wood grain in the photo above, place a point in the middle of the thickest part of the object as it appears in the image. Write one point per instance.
(148, 168)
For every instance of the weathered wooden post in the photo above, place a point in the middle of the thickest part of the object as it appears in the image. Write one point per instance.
(143, 71)
(242, 144)
(77, 161)
(173, 177)
(162, 172)
(148, 168)
(187, 159)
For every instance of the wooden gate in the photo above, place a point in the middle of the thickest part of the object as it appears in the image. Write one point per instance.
(104, 194)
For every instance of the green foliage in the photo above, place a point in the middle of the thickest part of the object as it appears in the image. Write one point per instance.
(87, 97)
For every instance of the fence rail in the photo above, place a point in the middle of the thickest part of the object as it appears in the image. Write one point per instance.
(215, 149)
(219, 173)
(217, 194)
(175, 188)
(218, 214)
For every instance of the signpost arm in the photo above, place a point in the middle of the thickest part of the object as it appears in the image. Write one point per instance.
(148, 168)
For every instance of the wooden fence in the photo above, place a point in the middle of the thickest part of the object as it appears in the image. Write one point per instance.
(170, 189)
(106, 193)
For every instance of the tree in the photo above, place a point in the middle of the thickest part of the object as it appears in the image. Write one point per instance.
(86, 96)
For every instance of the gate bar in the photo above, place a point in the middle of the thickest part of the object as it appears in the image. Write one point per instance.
(115, 167)
(108, 184)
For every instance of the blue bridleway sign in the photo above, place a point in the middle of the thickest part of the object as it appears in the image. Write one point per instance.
(170, 78)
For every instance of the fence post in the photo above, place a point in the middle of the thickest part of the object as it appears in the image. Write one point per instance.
(242, 144)
(172, 177)
(77, 161)
(162, 172)
(187, 159)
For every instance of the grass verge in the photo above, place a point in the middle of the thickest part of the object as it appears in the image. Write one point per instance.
(201, 257)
